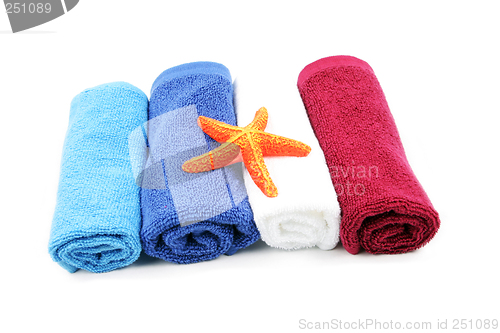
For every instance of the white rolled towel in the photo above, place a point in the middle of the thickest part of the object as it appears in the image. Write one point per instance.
(306, 212)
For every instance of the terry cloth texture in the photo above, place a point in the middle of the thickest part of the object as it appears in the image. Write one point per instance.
(305, 213)
(384, 207)
(188, 217)
(97, 217)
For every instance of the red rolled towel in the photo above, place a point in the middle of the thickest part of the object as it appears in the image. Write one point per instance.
(384, 207)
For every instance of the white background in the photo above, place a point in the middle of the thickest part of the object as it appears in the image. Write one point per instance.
(438, 63)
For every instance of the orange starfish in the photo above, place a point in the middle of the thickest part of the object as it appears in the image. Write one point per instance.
(254, 144)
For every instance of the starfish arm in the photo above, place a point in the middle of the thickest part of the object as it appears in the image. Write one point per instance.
(220, 157)
(275, 145)
(259, 122)
(217, 130)
(254, 163)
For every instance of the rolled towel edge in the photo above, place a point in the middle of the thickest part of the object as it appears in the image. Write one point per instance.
(329, 62)
(117, 84)
(62, 248)
(192, 68)
(305, 220)
(417, 212)
(153, 242)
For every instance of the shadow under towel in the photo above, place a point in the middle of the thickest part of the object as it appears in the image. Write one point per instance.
(97, 217)
(187, 217)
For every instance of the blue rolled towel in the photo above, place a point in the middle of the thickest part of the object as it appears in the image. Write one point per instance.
(189, 217)
(97, 218)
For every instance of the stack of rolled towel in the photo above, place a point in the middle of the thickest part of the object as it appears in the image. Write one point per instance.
(123, 189)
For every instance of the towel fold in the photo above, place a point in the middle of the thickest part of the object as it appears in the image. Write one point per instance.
(97, 218)
(306, 212)
(384, 207)
(189, 217)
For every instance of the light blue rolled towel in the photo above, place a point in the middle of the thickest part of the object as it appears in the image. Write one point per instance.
(97, 218)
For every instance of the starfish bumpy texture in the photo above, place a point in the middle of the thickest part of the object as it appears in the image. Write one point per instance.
(253, 144)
